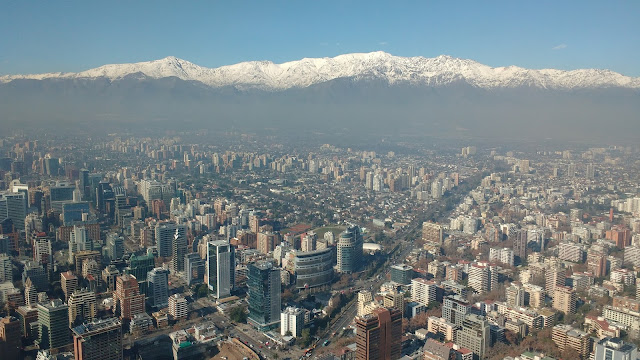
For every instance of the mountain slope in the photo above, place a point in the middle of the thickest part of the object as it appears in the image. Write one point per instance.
(354, 94)
(434, 72)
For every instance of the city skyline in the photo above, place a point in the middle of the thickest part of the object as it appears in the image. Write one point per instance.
(320, 180)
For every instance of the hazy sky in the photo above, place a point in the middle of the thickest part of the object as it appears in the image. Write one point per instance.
(48, 36)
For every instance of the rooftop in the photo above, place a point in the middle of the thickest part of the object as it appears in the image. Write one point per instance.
(96, 326)
(402, 267)
(617, 344)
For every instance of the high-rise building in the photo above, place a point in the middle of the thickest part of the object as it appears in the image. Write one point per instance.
(194, 269)
(329, 237)
(30, 293)
(379, 335)
(51, 166)
(220, 268)
(597, 263)
(394, 299)
(624, 316)
(73, 212)
(153, 190)
(615, 349)
(139, 266)
(520, 242)
(166, 237)
(109, 275)
(441, 328)
(364, 300)
(82, 307)
(504, 256)
(554, 276)
(564, 336)
(620, 235)
(178, 307)
(102, 193)
(483, 277)
(158, 290)
(436, 189)
(8, 244)
(91, 272)
(631, 255)
(179, 249)
(79, 241)
(591, 171)
(436, 269)
(313, 268)
(454, 288)
(98, 340)
(6, 268)
(264, 295)
(28, 316)
(474, 335)
(455, 308)
(571, 170)
(60, 192)
(349, 251)
(623, 276)
(368, 180)
(92, 228)
(580, 281)
(378, 182)
(570, 251)
(42, 253)
(292, 321)
(432, 233)
(53, 323)
(515, 295)
(423, 291)
(254, 222)
(115, 246)
(308, 241)
(69, 283)
(86, 255)
(127, 298)
(564, 299)
(37, 273)
(10, 338)
(470, 224)
(13, 205)
(401, 274)
(84, 183)
(266, 241)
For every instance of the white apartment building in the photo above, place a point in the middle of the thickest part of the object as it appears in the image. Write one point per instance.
(423, 291)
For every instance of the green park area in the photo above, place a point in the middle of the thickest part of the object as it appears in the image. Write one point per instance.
(336, 230)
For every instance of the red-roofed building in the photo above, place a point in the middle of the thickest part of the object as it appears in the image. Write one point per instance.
(601, 327)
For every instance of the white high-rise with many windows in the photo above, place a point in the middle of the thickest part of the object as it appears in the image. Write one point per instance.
(504, 256)
(291, 320)
(178, 306)
(423, 291)
(483, 277)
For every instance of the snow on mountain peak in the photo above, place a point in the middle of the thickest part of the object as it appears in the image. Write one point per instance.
(437, 71)
(170, 59)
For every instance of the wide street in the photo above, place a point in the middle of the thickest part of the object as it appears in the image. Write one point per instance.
(346, 316)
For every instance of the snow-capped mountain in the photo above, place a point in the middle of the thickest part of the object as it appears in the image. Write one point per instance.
(438, 71)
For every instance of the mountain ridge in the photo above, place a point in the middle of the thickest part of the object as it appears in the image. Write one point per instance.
(434, 72)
